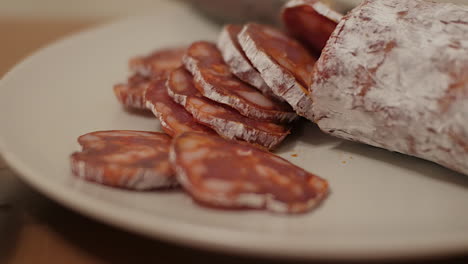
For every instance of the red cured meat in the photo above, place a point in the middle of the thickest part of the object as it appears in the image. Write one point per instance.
(159, 63)
(239, 64)
(215, 81)
(134, 160)
(226, 121)
(285, 65)
(131, 94)
(311, 21)
(152, 67)
(227, 174)
(173, 117)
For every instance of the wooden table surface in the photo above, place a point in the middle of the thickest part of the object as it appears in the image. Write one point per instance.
(34, 229)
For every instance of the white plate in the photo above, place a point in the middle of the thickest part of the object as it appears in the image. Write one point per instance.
(382, 204)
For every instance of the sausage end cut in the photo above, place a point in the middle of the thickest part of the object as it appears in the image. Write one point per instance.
(403, 88)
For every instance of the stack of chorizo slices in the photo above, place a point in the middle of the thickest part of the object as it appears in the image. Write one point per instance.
(223, 107)
(253, 82)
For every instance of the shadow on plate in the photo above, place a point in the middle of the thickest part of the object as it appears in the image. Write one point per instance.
(421, 167)
(307, 133)
(139, 112)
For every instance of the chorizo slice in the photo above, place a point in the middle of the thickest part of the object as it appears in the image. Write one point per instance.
(159, 63)
(310, 21)
(285, 65)
(173, 117)
(226, 121)
(155, 66)
(135, 160)
(131, 94)
(215, 81)
(228, 174)
(238, 63)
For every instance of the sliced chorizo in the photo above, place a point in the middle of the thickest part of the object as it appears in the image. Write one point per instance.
(285, 65)
(135, 160)
(173, 117)
(238, 63)
(310, 21)
(215, 81)
(226, 121)
(228, 174)
(155, 66)
(159, 63)
(131, 93)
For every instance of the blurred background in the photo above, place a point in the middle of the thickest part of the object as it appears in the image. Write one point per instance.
(92, 9)
(30, 24)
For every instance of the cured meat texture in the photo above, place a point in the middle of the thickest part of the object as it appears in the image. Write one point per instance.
(215, 81)
(284, 64)
(152, 67)
(127, 159)
(311, 21)
(159, 63)
(226, 121)
(174, 118)
(238, 63)
(405, 86)
(130, 94)
(227, 174)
